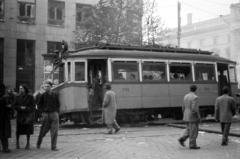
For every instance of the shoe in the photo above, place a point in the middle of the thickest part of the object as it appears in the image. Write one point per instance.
(181, 142)
(224, 144)
(55, 149)
(117, 130)
(195, 147)
(110, 132)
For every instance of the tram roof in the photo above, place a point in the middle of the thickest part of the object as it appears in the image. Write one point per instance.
(110, 51)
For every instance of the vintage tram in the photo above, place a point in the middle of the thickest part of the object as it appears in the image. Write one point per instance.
(148, 81)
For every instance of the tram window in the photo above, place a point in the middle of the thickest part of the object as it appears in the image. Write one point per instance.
(180, 72)
(79, 71)
(153, 71)
(232, 74)
(204, 72)
(125, 71)
(69, 71)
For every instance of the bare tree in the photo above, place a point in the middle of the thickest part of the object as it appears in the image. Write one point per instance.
(153, 28)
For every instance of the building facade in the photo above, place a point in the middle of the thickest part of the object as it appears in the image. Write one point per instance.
(220, 35)
(30, 28)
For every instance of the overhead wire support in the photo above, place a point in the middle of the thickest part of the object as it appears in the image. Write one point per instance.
(179, 24)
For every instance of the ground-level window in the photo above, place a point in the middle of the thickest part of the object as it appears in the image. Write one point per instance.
(79, 71)
(154, 71)
(180, 71)
(232, 74)
(53, 46)
(25, 69)
(125, 71)
(53, 73)
(204, 72)
(69, 71)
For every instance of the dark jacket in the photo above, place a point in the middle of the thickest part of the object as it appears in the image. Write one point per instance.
(225, 108)
(49, 102)
(5, 123)
(23, 115)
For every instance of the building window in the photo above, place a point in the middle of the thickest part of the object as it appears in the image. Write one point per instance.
(180, 71)
(204, 72)
(125, 71)
(1, 9)
(26, 11)
(56, 12)
(154, 71)
(53, 46)
(1, 59)
(83, 13)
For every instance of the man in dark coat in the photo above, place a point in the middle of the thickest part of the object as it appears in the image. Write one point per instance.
(191, 116)
(49, 107)
(225, 109)
(5, 124)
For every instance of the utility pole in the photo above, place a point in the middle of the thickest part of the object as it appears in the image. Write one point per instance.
(179, 23)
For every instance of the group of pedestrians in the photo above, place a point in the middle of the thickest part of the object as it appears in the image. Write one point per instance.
(46, 103)
(225, 109)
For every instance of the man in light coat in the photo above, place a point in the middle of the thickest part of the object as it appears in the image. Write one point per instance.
(191, 116)
(110, 110)
(225, 109)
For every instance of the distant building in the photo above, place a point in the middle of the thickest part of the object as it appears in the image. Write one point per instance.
(220, 35)
(30, 28)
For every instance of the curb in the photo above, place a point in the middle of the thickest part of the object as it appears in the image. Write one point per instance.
(204, 129)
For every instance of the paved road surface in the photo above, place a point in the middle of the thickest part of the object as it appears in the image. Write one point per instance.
(149, 142)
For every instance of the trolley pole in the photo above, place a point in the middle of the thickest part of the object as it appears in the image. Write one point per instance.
(179, 23)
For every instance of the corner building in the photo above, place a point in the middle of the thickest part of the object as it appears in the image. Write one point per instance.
(30, 28)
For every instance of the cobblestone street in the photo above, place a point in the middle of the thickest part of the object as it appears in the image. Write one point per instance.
(147, 142)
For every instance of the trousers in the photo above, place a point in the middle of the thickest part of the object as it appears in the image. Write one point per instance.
(50, 122)
(191, 132)
(4, 143)
(225, 127)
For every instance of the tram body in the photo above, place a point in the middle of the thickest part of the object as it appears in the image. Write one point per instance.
(147, 81)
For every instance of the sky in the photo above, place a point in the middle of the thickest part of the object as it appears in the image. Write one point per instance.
(201, 10)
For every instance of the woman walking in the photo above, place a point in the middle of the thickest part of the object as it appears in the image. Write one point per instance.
(24, 105)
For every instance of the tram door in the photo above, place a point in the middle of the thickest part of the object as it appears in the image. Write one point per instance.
(223, 77)
(97, 76)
